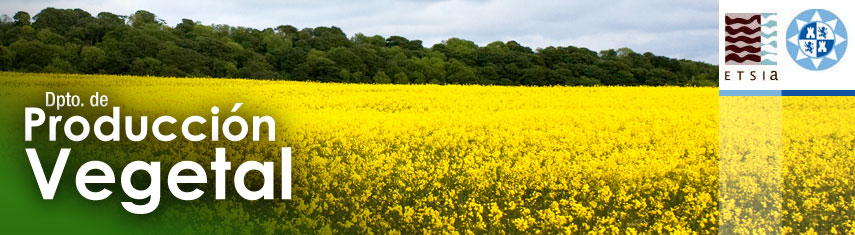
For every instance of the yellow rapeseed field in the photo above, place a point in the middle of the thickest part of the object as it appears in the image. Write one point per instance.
(412, 159)
(818, 195)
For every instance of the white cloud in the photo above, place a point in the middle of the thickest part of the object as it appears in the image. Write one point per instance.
(674, 28)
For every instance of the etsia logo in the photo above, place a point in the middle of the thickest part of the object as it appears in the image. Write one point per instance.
(816, 39)
(750, 39)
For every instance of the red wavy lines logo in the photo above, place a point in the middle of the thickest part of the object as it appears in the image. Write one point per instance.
(742, 39)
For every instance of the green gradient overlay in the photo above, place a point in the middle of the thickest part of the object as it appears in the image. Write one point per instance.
(24, 210)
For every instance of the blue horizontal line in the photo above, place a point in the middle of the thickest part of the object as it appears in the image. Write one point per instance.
(786, 93)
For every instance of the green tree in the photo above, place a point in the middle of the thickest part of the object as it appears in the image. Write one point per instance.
(46, 36)
(184, 61)
(32, 55)
(344, 76)
(460, 49)
(560, 76)
(61, 20)
(459, 73)
(287, 31)
(382, 78)
(6, 58)
(376, 40)
(659, 77)
(401, 78)
(142, 44)
(254, 65)
(58, 65)
(91, 59)
(419, 78)
(324, 38)
(185, 27)
(146, 66)
(345, 58)
(22, 18)
(359, 77)
(223, 69)
(142, 18)
(322, 68)
(433, 68)
(535, 76)
(583, 81)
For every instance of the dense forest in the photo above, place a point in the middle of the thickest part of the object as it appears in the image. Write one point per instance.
(74, 41)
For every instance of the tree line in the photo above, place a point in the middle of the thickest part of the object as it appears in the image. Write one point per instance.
(74, 41)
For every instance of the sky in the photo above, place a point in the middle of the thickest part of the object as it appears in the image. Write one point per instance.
(675, 28)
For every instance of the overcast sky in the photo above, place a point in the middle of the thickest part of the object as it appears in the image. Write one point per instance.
(674, 28)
